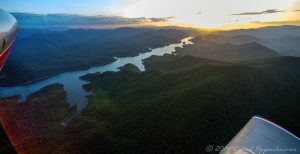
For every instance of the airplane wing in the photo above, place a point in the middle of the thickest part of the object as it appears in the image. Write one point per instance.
(261, 136)
(8, 28)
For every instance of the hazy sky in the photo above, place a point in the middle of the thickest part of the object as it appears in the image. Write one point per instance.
(199, 13)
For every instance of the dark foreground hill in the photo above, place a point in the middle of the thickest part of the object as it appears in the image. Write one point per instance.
(201, 103)
(40, 54)
(162, 110)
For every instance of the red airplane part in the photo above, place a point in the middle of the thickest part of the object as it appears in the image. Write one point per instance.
(8, 28)
(4, 56)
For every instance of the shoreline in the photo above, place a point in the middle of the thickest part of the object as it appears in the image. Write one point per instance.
(114, 59)
(73, 83)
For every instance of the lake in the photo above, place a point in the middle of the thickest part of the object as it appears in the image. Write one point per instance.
(74, 86)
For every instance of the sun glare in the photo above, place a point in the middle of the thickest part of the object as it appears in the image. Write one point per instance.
(212, 13)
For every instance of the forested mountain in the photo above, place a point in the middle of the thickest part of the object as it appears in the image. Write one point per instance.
(226, 51)
(282, 39)
(200, 103)
(162, 110)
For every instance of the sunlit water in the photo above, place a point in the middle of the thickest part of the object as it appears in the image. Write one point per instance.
(72, 83)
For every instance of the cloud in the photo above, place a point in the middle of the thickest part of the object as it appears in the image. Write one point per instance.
(165, 19)
(232, 21)
(262, 12)
(283, 22)
(29, 19)
(297, 11)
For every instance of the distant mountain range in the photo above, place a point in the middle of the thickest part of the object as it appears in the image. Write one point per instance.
(41, 52)
(283, 39)
(226, 51)
(74, 20)
(267, 32)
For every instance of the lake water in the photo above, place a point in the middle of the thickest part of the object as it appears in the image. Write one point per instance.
(72, 83)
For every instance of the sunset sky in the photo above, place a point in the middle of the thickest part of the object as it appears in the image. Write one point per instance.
(196, 13)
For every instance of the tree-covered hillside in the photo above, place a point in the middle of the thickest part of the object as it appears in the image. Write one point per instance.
(206, 48)
(167, 111)
(179, 105)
